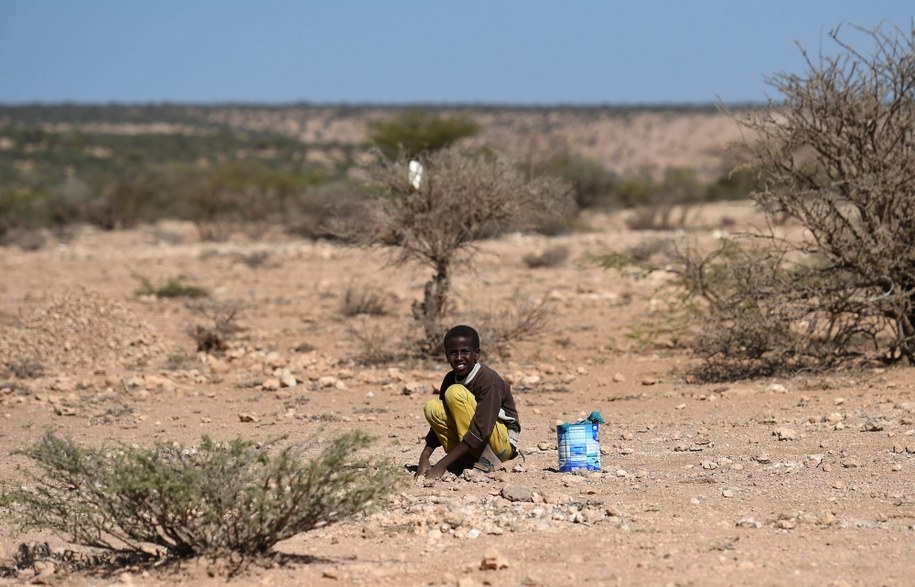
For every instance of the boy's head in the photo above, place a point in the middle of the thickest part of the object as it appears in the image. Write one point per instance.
(462, 349)
(465, 332)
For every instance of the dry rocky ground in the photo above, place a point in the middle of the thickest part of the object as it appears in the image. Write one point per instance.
(801, 481)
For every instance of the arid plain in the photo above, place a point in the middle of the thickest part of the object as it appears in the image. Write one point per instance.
(804, 480)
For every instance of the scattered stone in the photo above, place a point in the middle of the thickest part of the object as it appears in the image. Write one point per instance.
(619, 378)
(784, 434)
(412, 388)
(514, 493)
(777, 388)
(813, 461)
(873, 425)
(493, 561)
(546, 446)
(748, 523)
(851, 463)
(650, 381)
(287, 379)
(247, 417)
(271, 384)
(727, 493)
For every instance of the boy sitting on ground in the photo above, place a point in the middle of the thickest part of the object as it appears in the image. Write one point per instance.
(474, 417)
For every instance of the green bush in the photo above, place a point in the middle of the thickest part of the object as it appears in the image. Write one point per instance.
(212, 499)
(172, 288)
(592, 185)
(415, 132)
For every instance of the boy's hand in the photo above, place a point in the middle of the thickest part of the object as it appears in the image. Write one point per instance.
(437, 471)
(422, 468)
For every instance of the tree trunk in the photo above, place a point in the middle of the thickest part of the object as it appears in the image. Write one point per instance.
(430, 312)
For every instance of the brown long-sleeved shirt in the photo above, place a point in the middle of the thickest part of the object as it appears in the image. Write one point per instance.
(494, 403)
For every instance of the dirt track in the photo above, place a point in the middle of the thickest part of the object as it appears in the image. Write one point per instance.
(805, 481)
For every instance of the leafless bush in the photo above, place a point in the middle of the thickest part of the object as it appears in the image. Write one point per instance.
(377, 345)
(459, 199)
(223, 325)
(551, 257)
(838, 157)
(25, 367)
(520, 319)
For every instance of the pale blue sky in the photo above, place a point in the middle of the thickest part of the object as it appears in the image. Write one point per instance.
(531, 52)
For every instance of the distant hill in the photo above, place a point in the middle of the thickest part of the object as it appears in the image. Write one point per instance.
(626, 140)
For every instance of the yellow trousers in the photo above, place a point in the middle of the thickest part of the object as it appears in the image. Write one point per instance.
(451, 420)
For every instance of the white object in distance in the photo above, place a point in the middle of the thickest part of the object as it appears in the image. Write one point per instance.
(416, 173)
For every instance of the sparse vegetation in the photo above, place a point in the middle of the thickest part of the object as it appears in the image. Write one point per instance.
(215, 498)
(221, 327)
(25, 367)
(172, 288)
(515, 321)
(364, 300)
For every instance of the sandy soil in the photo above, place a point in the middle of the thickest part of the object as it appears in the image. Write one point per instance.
(802, 481)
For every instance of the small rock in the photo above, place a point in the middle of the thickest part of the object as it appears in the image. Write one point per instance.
(873, 425)
(493, 561)
(412, 388)
(650, 380)
(271, 384)
(785, 434)
(287, 379)
(247, 417)
(777, 388)
(517, 494)
(727, 493)
(851, 463)
(748, 523)
(619, 378)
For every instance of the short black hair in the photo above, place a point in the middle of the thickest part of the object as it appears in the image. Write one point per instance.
(464, 331)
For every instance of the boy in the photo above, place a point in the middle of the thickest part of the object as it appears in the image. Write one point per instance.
(474, 417)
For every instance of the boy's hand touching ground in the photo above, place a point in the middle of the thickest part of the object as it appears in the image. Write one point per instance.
(424, 466)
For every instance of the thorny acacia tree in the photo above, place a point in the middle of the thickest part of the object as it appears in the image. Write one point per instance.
(460, 199)
(839, 157)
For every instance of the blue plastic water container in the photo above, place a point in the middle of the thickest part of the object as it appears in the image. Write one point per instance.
(579, 446)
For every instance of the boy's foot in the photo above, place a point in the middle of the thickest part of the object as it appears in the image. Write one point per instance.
(488, 461)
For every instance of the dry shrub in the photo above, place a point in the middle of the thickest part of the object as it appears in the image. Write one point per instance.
(214, 498)
(764, 313)
(459, 199)
(519, 319)
(837, 156)
(365, 300)
(550, 257)
(223, 325)
(377, 344)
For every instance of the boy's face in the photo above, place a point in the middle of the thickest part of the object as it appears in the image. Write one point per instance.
(461, 355)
